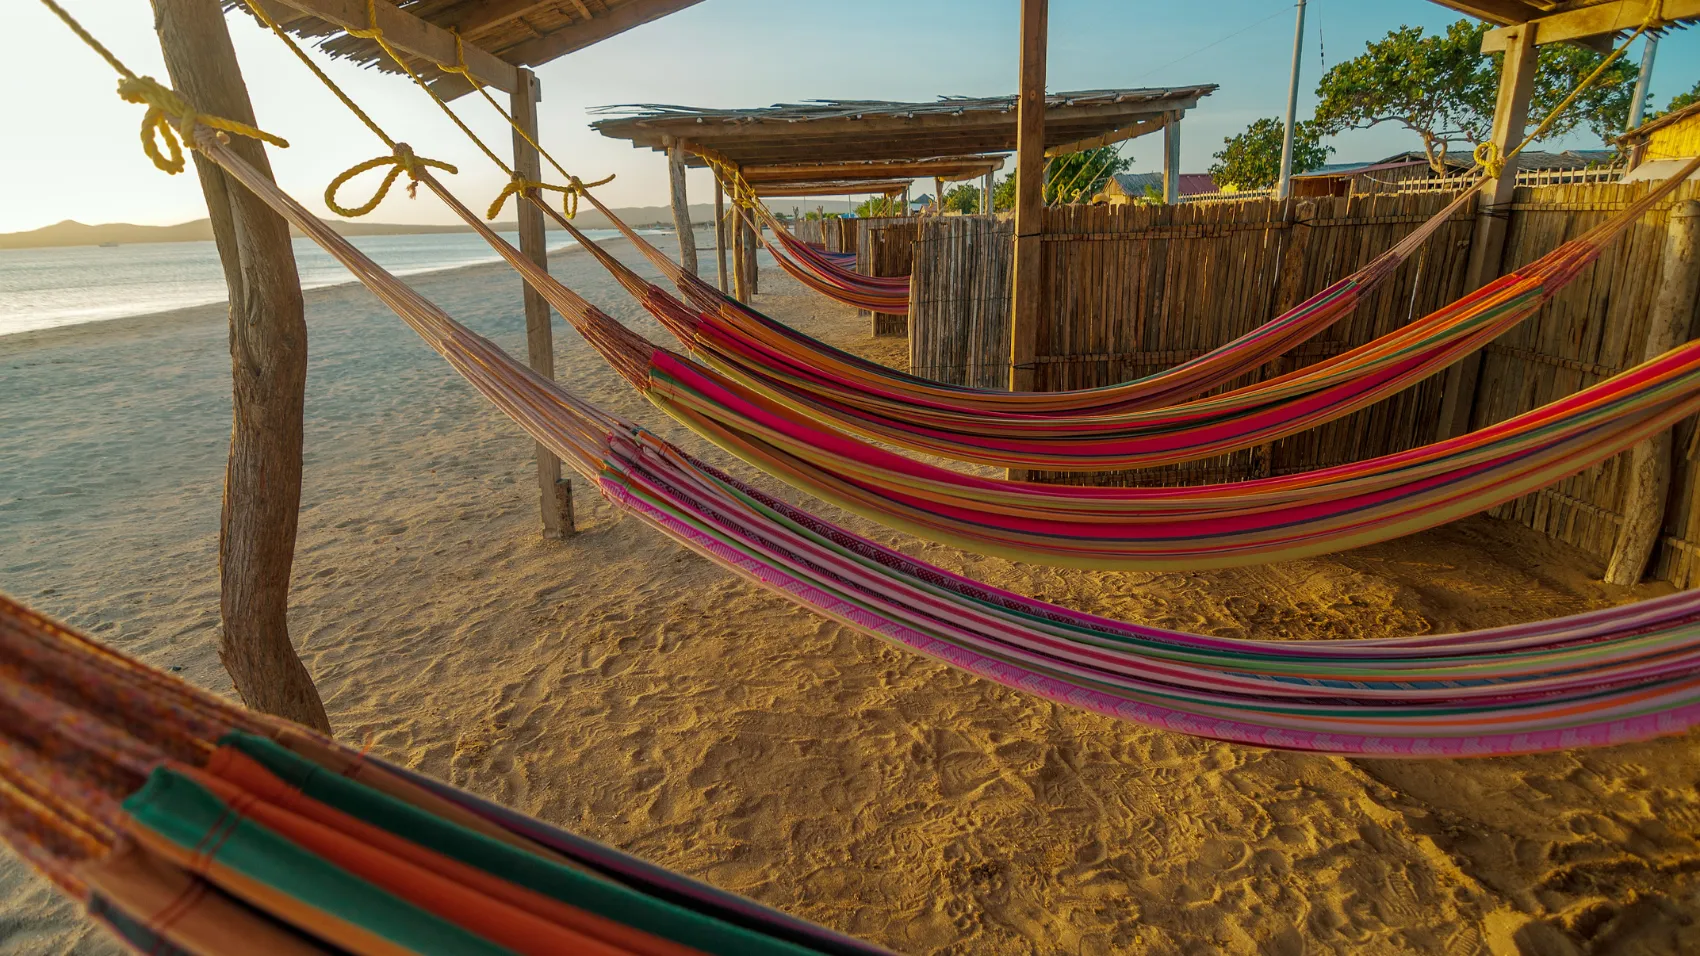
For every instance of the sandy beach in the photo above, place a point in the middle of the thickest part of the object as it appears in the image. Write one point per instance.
(619, 686)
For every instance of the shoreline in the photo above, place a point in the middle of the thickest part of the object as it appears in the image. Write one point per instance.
(58, 335)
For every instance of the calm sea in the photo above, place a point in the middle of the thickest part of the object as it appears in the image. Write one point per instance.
(65, 285)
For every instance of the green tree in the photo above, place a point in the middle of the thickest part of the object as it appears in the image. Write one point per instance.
(1003, 195)
(1252, 160)
(880, 206)
(1679, 101)
(1442, 88)
(1080, 175)
(964, 199)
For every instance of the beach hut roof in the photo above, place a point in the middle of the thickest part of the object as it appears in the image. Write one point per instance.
(843, 131)
(514, 32)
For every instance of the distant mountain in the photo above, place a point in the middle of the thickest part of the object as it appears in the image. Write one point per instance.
(73, 233)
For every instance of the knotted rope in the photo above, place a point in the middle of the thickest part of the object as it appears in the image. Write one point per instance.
(170, 121)
(401, 161)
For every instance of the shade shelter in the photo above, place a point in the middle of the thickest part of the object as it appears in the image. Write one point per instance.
(873, 131)
(450, 44)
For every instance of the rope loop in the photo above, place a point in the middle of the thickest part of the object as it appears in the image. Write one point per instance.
(170, 122)
(570, 193)
(1487, 156)
(401, 161)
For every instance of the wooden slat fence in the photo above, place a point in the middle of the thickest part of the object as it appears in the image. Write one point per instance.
(886, 247)
(1134, 289)
(1594, 329)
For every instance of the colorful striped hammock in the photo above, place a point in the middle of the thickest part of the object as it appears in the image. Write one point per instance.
(1201, 526)
(834, 274)
(1604, 677)
(186, 824)
(1122, 426)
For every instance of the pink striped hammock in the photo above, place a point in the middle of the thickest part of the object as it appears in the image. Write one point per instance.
(1592, 679)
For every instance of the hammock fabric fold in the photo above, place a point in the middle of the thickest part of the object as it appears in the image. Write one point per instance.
(1607, 676)
(834, 274)
(1200, 526)
(187, 824)
(1136, 424)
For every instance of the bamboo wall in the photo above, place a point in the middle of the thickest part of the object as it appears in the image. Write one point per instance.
(808, 230)
(1131, 290)
(959, 300)
(1593, 329)
(886, 247)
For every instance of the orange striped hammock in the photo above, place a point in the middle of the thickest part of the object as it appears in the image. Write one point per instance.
(1138, 424)
(824, 273)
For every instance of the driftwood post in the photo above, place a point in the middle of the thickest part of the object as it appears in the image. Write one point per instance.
(554, 492)
(740, 264)
(681, 206)
(1650, 462)
(268, 364)
(720, 234)
(1487, 246)
(750, 244)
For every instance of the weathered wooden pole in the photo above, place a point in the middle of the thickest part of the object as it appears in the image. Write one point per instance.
(268, 364)
(1487, 246)
(1025, 308)
(752, 246)
(681, 206)
(740, 263)
(986, 207)
(720, 234)
(1172, 157)
(555, 494)
(1650, 461)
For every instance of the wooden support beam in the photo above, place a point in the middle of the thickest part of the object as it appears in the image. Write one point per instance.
(1131, 131)
(268, 350)
(740, 259)
(1599, 22)
(985, 196)
(539, 341)
(1172, 158)
(1650, 461)
(415, 37)
(681, 207)
(584, 33)
(720, 235)
(1487, 247)
(830, 189)
(752, 265)
(967, 168)
(1027, 310)
(471, 18)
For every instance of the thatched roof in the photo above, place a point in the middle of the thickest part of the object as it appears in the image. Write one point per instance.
(518, 32)
(837, 131)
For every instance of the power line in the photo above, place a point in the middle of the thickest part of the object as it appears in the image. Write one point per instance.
(1215, 43)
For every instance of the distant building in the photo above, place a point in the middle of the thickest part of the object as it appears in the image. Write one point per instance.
(1348, 179)
(1659, 148)
(921, 202)
(1124, 188)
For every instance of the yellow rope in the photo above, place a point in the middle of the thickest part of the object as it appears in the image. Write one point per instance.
(1487, 155)
(401, 158)
(517, 184)
(170, 120)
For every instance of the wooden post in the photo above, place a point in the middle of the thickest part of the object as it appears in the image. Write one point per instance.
(1650, 461)
(938, 186)
(986, 208)
(555, 494)
(720, 234)
(1487, 246)
(268, 352)
(1172, 158)
(740, 264)
(681, 206)
(752, 267)
(1025, 308)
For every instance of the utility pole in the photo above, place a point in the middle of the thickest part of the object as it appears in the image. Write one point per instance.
(1638, 104)
(1286, 182)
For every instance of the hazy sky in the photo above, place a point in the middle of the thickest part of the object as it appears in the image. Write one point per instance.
(81, 160)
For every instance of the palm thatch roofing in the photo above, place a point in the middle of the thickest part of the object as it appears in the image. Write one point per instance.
(843, 131)
(517, 32)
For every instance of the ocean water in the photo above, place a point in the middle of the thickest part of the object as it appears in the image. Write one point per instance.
(66, 285)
